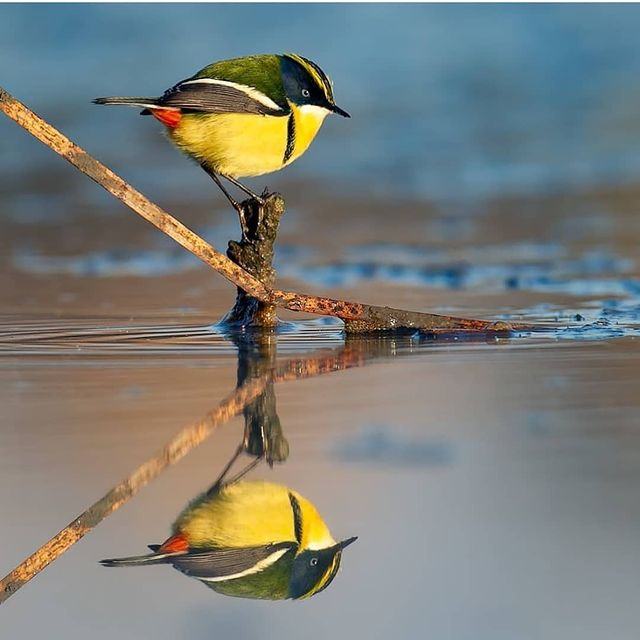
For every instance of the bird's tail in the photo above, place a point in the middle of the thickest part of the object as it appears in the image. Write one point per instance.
(151, 558)
(145, 103)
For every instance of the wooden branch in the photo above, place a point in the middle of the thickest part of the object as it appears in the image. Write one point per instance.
(255, 253)
(357, 317)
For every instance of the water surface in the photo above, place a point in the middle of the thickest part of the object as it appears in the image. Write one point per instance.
(490, 170)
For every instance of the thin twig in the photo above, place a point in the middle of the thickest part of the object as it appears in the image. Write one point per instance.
(357, 317)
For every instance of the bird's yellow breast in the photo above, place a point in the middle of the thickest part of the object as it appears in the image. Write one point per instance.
(249, 514)
(308, 119)
(234, 144)
(241, 145)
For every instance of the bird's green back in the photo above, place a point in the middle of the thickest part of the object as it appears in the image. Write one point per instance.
(271, 583)
(262, 72)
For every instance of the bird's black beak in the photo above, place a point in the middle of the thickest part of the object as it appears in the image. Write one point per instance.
(341, 112)
(345, 543)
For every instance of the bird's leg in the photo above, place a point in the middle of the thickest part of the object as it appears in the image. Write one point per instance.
(220, 482)
(215, 487)
(234, 203)
(259, 199)
(242, 187)
(243, 472)
(244, 447)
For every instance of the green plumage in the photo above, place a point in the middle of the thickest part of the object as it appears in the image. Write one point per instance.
(245, 116)
(262, 72)
(256, 540)
(270, 584)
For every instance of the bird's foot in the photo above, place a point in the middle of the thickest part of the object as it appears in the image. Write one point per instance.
(260, 212)
(242, 215)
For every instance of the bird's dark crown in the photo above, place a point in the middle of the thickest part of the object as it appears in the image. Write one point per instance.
(309, 569)
(305, 82)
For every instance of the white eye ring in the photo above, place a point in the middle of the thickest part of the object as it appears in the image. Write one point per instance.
(314, 561)
(305, 93)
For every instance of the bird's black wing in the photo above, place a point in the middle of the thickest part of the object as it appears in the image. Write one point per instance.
(218, 563)
(208, 97)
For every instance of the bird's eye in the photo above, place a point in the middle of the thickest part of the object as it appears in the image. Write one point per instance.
(314, 561)
(306, 94)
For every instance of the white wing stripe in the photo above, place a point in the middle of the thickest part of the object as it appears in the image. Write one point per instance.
(250, 91)
(259, 566)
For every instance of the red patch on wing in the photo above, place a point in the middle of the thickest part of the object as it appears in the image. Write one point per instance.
(173, 544)
(168, 117)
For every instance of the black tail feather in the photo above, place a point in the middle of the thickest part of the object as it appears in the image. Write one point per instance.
(135, 102)
(132, 561)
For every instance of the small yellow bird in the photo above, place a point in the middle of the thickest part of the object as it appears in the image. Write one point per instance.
(246, 116)
(250, 539)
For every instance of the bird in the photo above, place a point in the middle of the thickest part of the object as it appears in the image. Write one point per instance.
(243, 117)
(250, 539)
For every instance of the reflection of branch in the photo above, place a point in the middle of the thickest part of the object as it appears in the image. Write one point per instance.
(357, 317)
(187, 439)
(355, 353)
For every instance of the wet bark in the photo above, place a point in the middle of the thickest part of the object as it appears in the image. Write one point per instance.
(254, 254)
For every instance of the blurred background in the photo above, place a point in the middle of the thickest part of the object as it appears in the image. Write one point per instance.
(491, 168)
(493, 149)
(448, 102)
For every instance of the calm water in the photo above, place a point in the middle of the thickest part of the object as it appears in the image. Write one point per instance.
(494, 487)
(490, 170)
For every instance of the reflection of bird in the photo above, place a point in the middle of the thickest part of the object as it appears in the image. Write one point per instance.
(244, 117)
(251, 540)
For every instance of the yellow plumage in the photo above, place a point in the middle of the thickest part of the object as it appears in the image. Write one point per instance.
(243, 117)
(250, 540)
(249, 514)
(243, 145)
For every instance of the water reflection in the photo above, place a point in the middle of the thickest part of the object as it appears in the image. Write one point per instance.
(257, 539)
(250, 539)
(263, 435)
(258, 370)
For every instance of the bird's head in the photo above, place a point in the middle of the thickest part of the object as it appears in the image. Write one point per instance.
(314, 569)
(306, 84)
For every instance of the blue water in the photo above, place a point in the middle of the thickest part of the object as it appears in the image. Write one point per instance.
(493, 483)
(448, 102)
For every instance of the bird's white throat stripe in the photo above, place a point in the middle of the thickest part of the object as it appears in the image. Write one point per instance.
(321, 544)
(259, 566)
(258, 96)
(314, 110)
